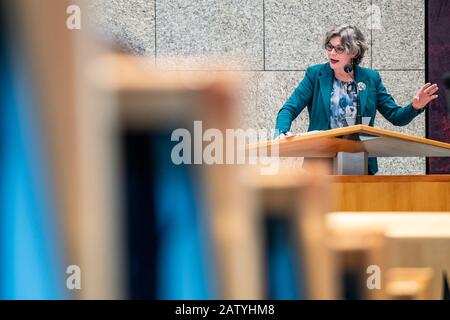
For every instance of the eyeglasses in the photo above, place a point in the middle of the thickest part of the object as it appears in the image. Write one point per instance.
(339, 49)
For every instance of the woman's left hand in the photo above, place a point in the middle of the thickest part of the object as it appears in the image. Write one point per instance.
(425, 95)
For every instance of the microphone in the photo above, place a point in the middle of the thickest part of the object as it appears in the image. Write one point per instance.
(348, 68)
(446, 79)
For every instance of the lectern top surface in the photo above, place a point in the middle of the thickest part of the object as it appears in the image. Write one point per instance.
(375, 141)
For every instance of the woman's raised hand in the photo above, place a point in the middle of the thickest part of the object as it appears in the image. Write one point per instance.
(425, 95)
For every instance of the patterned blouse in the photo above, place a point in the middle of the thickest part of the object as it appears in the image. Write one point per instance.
(342, 103)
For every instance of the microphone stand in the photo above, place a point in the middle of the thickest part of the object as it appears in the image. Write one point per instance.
(348, 69)
(352, 159)
(358, 119)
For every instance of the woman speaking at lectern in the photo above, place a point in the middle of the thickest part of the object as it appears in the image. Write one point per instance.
(329, 90)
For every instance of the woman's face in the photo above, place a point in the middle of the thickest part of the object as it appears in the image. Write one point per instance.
(337, 55)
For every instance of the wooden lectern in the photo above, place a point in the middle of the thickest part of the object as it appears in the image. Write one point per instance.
(350, 147)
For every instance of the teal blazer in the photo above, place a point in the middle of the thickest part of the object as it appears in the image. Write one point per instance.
(314, 92)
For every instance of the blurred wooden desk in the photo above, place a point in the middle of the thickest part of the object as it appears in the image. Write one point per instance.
(402, 240)
(421, 246)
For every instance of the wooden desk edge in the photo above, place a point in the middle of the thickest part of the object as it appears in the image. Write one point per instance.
(380, 178)
(349, 130)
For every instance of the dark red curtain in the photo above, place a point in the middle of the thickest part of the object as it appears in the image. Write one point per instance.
(437, 64)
